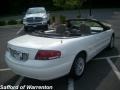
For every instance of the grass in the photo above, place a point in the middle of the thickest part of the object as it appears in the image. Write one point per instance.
(10, 22)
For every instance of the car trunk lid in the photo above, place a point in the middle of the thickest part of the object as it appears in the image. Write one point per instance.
(30, 41)
(29, 45)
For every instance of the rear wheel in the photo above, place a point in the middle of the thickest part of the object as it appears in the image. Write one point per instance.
(44, 27)
(78, 66)
(26, 29)
(48, 22)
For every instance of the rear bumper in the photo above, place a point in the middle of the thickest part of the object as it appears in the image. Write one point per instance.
(42, 70)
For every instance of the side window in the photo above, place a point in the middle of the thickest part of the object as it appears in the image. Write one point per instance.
(95, 27)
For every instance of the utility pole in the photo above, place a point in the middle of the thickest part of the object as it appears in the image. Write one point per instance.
(90, 6)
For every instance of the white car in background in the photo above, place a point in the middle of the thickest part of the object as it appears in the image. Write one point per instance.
(36, 18)
(49, 55)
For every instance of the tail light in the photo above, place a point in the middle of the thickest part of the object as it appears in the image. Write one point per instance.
(47, 54)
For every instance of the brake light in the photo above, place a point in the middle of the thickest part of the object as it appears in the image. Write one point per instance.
(47, 54)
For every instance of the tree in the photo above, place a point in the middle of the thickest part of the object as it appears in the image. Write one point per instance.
(68, 4)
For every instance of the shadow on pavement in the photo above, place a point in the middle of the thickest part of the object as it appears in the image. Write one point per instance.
(57, 84)
(98, 76)
(12, 80)
(108, 52)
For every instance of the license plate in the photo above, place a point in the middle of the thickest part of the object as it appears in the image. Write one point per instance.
(18, 55)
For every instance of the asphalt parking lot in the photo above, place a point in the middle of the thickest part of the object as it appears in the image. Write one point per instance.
(102, 73)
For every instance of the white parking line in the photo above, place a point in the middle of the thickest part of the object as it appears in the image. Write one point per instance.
(107, 57)
(20, 30)
(70, 84)
(18, 81)
(5, 69)
(114, 68)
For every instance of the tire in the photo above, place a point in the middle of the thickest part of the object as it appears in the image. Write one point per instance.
(78, 66)
(26, 29)
(48, 22)
(111, 44)
(46, 27)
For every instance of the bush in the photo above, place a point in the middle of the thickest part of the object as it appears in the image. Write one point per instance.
(12, 22)
(20, 21)
(62, 19)
(52, 19)
(2, 23)
(58, 18)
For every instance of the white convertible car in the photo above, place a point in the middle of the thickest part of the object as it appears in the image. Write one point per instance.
(55, 53)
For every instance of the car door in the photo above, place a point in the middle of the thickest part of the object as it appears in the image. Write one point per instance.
(102, 37)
